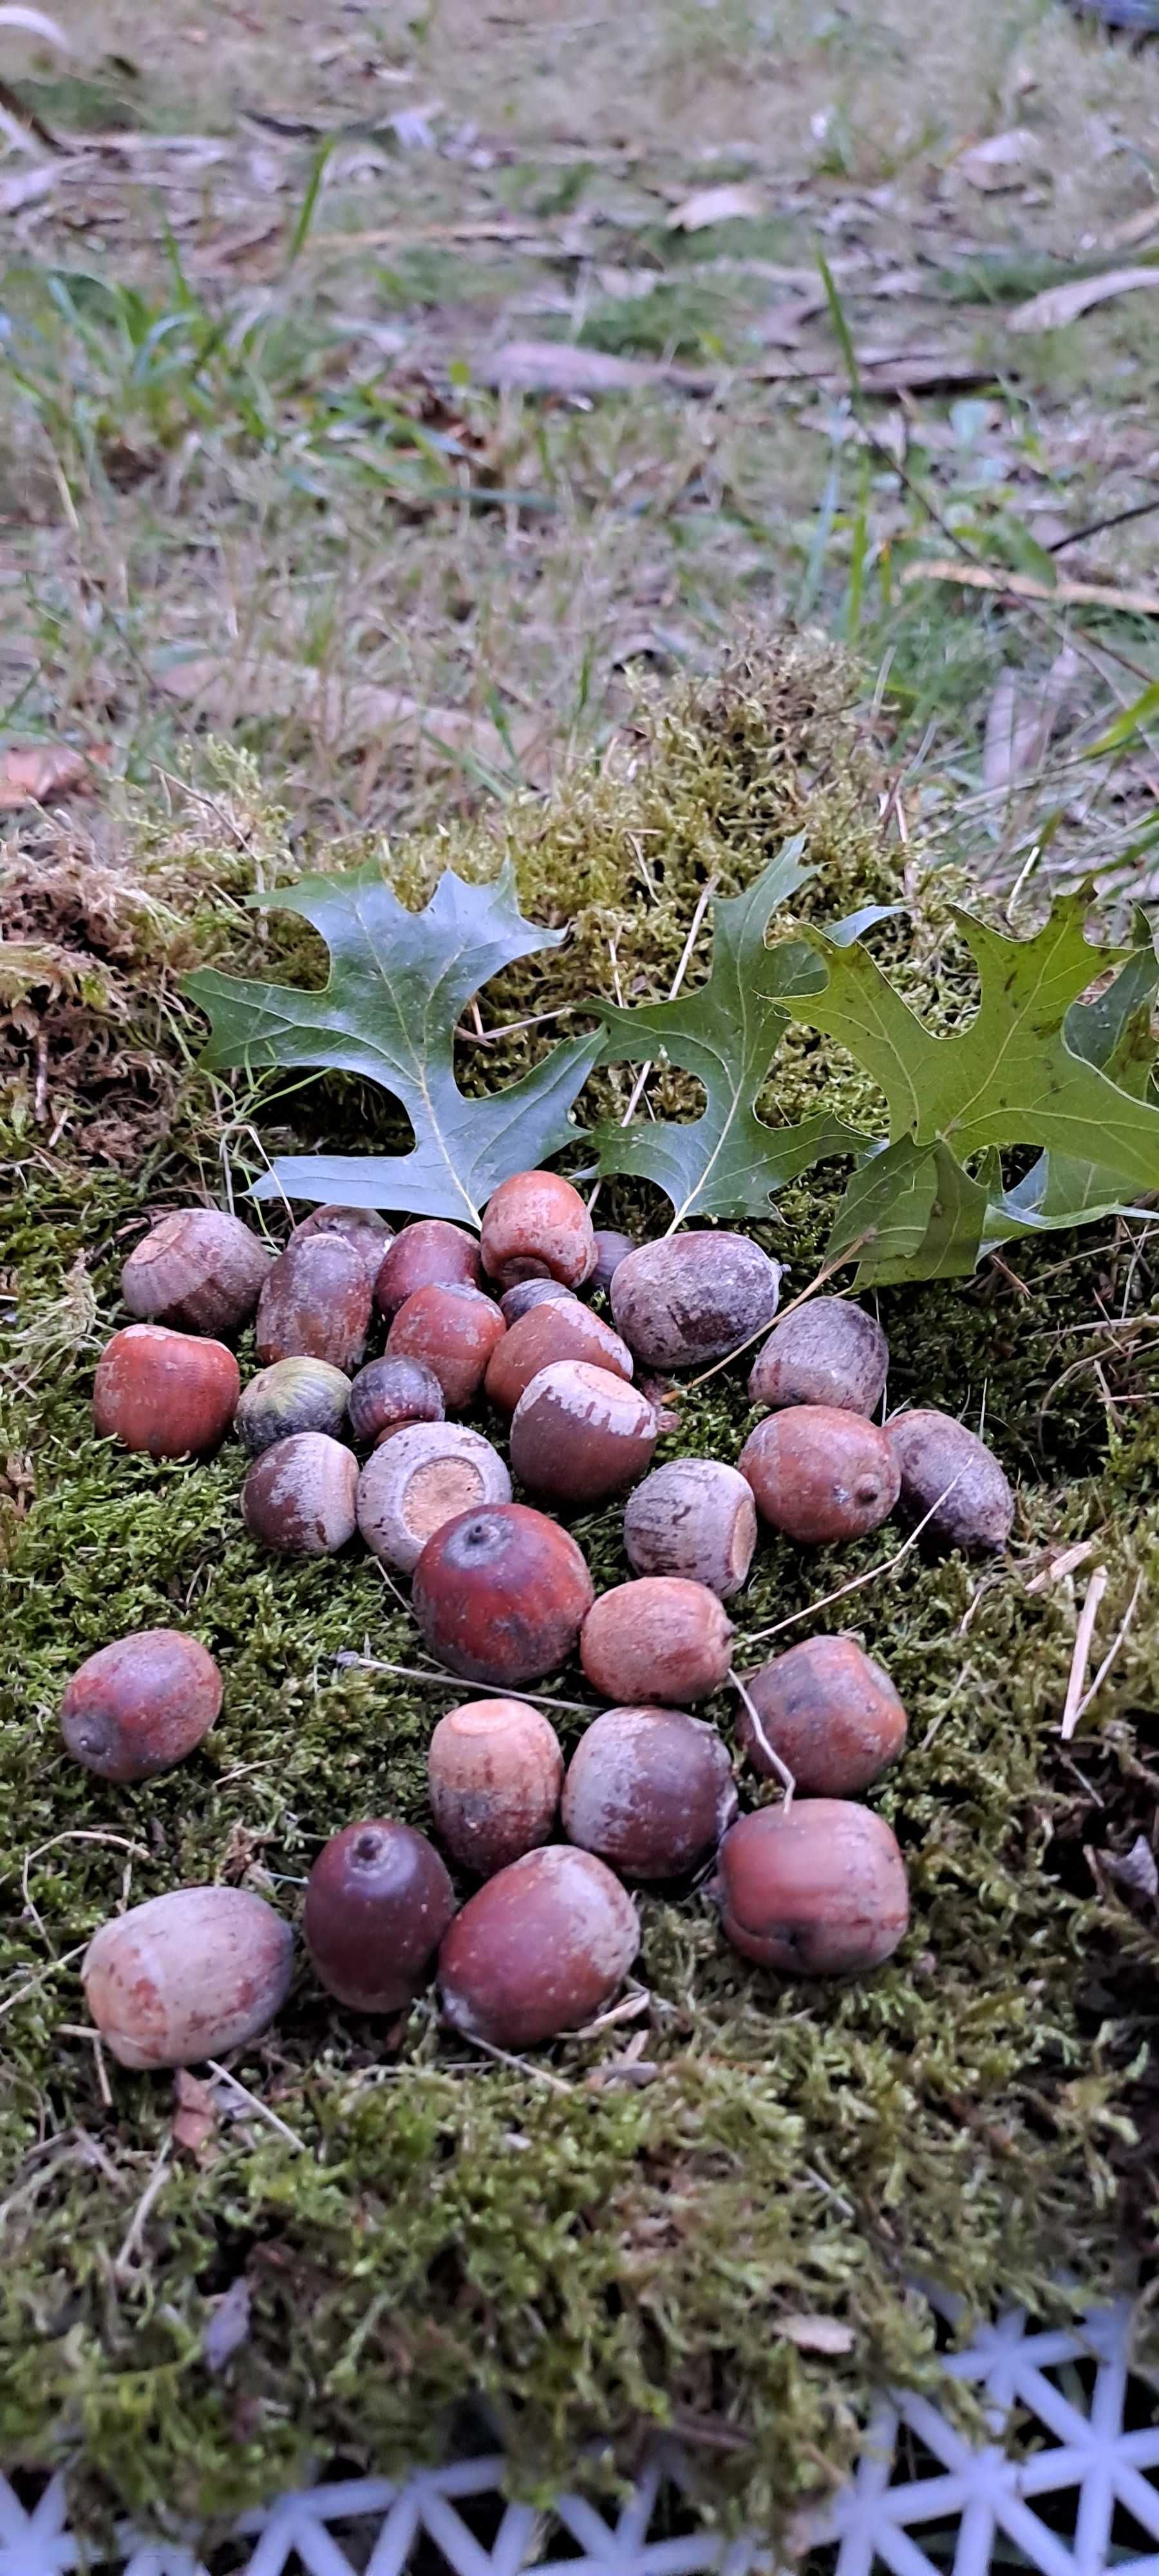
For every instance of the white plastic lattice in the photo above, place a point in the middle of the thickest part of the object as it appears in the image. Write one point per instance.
(1081, 2498)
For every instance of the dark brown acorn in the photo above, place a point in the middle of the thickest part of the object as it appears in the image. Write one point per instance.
(315, 1304)
(650, 1790)
(554, 1331)
(500, 1594)
(830, 1713)
(378, 1902)
(199, 1270)
(495, 1771)
(290, 1396)
(429, 1254)
(611, 1249)
(454, 1331)
(579, 1434)
(139, 1706)
(527, 1293)
(390, 1392)
(693, 1297)
(948, 1473)
(694, 1517)
(539, 1950)
(827, 1352)
(367, 1233)
(815, 1889)
(820, 1474)
(171, 1394)
(299, 1496)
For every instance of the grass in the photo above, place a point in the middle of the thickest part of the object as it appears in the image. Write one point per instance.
(246, 415)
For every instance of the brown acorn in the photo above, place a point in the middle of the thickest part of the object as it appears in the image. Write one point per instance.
(299, 1496)
(188, 1976)
(378, 1902)
(815, 1889)
(693, 1297)
(830, 1713)
(171, 1394)
(579, 1434)
(290, 1396)
(696, 1517)
(428, 1473)
(527, 1293)
(499, 1595)
(390, 1392)
(551, 1332)
(139, 1706)
(660, 1639)
(820, 1474)
(495, 1771)
(611, 1249)
(650, 1790)
(827, 1352)
(428, 1254)
(315, 1304)
(536, 1226)
(948, 1473)
(539, 1950)
(199, 1270)
(454, 1331)
(367, 1233)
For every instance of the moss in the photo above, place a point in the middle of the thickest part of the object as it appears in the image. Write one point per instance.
(589, 2256)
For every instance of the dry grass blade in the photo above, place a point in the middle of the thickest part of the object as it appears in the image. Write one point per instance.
(1080, 1658)
(1115, 1647)
(779, 1769)
(1058, 305)
(735, 202)
(1022, 585)
(559, 367)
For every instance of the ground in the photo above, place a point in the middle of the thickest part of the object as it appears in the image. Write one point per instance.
(254, 477)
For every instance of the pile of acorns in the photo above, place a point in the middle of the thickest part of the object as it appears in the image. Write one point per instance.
(503, 1597)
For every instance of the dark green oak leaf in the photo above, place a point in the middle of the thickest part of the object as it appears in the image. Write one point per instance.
(1115, 1033)
(728, 1162)
(399, 983)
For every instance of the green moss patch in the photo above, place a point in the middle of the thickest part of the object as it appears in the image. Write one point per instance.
(619, 2234)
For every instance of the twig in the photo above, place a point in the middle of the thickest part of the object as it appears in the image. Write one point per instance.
(1058, 1566)
(41, 1978)
(451, 1681)
(1095, 527)
(772, 1757)
(523, 2065)
(154, 2187)
(1117, 1640)
(1082, 1647)
(856, 1582)
(704, 899)
(256, 2104)
(81, 2030)
(1022, 585)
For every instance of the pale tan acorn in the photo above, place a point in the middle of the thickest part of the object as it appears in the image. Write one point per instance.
(188, 1976)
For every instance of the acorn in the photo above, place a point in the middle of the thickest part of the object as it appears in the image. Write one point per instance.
(299, 1496)
(171, 1394)
(611, 1249)
(139, 1706)
(815, 1889)
(827, 1352)
(390, 1392)
(429, 1254)
(536, 1226)
(820, 1474)
(188, 1976)
(428, 1473)
(539, 1950)
(315, 1304)
(527, 1293)
(831, 1714)
(367, 1233)
(949, 1473)
(552, 1332)
(454, 1330)
(693, 1297)
(500, 1594)
(378, 1902)
(580, 1434)
(650, 1790)
(290, 1396)
(693, 1517)
(660, 1639)
(495, 1771)
(199, 1270)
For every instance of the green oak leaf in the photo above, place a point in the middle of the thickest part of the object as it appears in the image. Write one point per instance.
(1015, 1075)
(1115, 1034)
(912, 1213)
(398, 985)
(728, 1162)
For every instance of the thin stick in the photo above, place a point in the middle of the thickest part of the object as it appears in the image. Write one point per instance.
(703, 901)
(826, 1272)
(772, 1757)
(131, 2244)
(855, 1585)
(1082, 1647)
(1117, 1640)
(256, 2104)
(450, 1682)
(523, 2065)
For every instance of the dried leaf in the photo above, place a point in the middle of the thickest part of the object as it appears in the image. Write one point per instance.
(1058, 305)
(724, 205)
(1134, 228)
(350, 712)
(1002, 161)
(28, 186)
(32, 773)
(1020, 720)
(228, 2327)
(817, 2334)
(559, 367)
(195, 2117)
(1134, 1869)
